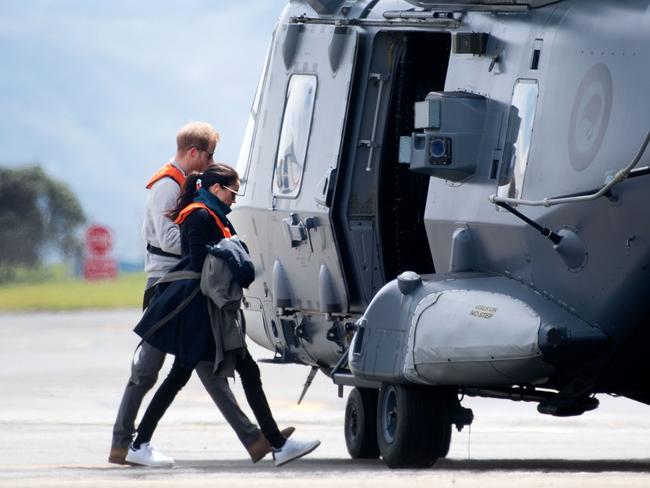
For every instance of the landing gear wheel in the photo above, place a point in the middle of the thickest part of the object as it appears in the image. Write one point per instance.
(361, 424)
(445, 441)
(412, 426)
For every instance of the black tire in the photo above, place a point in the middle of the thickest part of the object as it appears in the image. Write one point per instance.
(447, 400)
(445, 441)
(412, 428)
(360, 424)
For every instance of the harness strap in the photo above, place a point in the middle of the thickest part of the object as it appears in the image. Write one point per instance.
(159, 252)
(177, 276)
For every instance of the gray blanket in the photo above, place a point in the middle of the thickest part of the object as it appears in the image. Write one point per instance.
(224, 303)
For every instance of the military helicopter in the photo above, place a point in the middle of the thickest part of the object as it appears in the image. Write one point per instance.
(448, 198)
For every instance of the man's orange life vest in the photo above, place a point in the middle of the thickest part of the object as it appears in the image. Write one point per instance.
(194, 206)
(167, 171)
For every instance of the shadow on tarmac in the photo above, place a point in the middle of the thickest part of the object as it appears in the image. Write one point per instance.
(373, 465)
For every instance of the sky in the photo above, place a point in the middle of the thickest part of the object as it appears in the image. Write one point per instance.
(95, 91)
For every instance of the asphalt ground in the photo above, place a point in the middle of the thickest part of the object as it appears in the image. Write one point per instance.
(62, 377)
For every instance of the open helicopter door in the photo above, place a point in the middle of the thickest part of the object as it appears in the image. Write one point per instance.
(294, 161)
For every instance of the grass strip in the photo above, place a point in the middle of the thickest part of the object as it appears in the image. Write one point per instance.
(125, 291)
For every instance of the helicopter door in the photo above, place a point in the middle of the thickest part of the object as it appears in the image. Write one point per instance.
(313, 69)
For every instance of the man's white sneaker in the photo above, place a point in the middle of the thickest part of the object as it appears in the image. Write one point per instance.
(147, 455)
(293, 449)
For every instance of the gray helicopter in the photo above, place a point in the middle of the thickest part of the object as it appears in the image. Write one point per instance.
(448, 198)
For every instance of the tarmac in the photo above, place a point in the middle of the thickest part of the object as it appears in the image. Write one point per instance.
(63, 374)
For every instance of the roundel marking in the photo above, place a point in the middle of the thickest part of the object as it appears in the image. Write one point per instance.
(590, 116)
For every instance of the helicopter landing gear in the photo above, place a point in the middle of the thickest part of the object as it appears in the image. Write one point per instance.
(413, 428)
(361, 424)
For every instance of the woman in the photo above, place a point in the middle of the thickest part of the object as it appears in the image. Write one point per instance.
(201, 212)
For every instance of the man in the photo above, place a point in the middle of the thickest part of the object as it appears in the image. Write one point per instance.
(196, 143)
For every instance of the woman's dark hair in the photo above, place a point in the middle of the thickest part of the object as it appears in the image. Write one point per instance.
(215, 173)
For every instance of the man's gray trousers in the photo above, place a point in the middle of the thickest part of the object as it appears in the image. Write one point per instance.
(145, 367)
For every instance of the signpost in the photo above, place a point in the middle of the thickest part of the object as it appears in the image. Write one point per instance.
(97, 264)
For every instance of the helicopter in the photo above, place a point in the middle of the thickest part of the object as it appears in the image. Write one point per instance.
(447, 199)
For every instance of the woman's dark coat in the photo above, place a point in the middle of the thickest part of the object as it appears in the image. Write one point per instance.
(189, 334)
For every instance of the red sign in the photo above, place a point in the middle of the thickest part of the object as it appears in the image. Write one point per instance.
(98, 265)
(98, 240)
(100, 268)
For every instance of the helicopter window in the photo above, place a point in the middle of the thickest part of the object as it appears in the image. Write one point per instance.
(245, 151)
(524, 103)
(294, 137)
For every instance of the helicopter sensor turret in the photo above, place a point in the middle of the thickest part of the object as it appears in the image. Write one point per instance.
(452, 125)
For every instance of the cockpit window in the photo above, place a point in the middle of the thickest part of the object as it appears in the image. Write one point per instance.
(524, 101)
(294, 137)
(243, 161)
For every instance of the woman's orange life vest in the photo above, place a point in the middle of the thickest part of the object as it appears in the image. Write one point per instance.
(195, 206)
(167, 171)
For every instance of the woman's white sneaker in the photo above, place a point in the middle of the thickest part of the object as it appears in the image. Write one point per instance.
(147, 455)
(293, 449)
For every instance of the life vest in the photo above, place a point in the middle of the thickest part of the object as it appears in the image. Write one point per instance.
(167, 171)
(194, 206)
